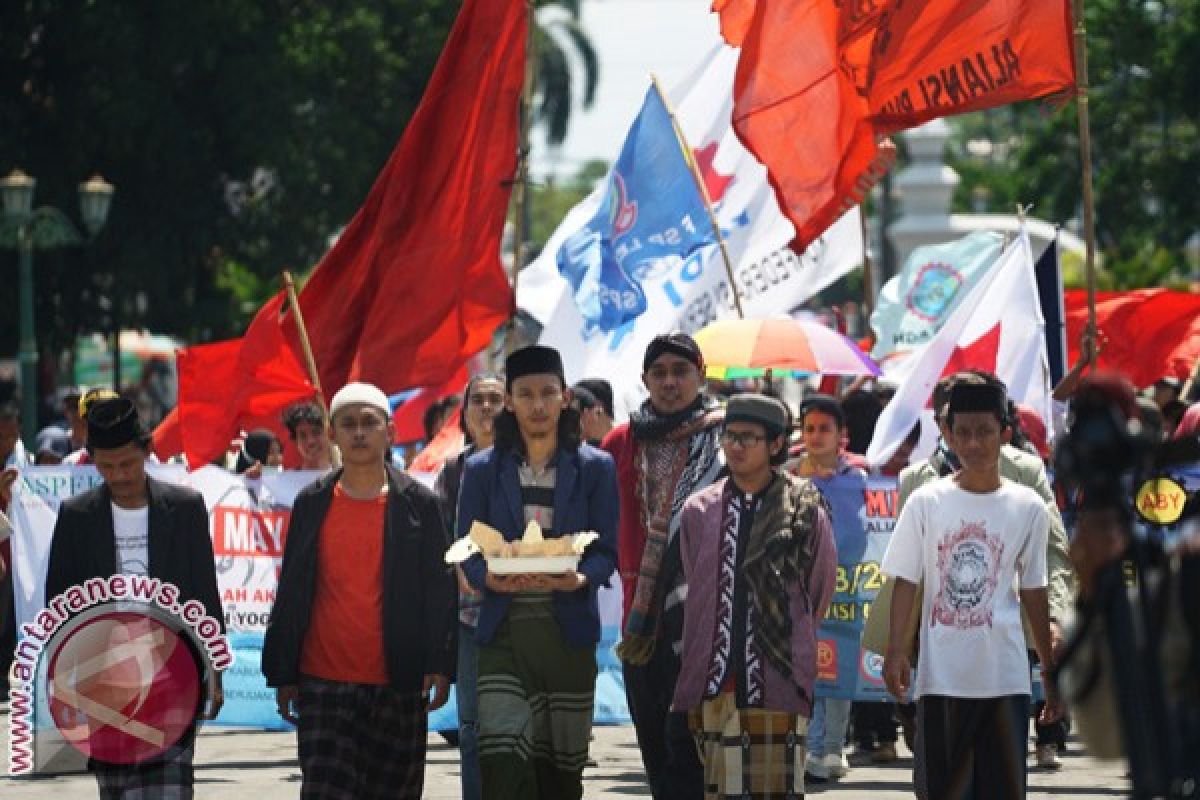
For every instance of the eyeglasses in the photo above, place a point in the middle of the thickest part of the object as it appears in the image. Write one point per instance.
(741, 439)
(486, 398)
(677, 371)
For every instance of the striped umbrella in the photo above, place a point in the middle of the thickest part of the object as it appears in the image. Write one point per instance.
(738, 348)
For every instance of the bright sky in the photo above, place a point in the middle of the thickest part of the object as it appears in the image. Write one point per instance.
(632, 39)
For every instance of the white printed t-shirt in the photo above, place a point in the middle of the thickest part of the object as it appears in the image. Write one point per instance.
(970, 549)
(131, 527)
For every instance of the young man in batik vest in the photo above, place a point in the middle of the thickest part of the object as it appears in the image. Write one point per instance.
(760, 561)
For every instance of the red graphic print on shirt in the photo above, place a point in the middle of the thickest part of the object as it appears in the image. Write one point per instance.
(968, 563)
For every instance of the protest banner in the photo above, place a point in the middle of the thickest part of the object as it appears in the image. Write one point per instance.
(248, 522)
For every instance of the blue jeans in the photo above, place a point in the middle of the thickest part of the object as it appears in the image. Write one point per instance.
(468, 712)
(827, 728)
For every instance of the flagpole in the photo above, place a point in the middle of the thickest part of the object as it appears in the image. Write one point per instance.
(700, 185)
(1085, 155)
(868, 278)
(309, 361)
(521, 186)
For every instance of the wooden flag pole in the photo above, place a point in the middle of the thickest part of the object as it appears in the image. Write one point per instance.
(694, 168)
(1085, 155)
(521, 186)
(309, 361)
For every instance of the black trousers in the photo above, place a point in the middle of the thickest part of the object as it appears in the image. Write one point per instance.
(971, 748)
(673, 767)
(874, 723)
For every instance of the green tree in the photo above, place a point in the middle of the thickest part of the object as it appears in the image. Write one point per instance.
(239, 136)
(1145, 127)
(558, 36)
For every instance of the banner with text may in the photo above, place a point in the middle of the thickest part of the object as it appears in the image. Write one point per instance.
(248, 521)
(864, 513)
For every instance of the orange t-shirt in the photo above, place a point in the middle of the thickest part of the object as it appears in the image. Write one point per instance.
(345, 629)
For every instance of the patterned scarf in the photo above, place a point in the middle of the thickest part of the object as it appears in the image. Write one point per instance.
(780, 555)
(723, 650)
(675, 456)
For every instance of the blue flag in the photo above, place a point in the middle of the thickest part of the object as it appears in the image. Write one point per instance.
(652, 216)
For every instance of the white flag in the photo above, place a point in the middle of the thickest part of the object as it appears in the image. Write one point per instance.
(998, 327)
(687, 294)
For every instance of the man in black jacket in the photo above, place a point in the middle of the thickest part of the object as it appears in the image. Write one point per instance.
(360, 645)
(135, 525)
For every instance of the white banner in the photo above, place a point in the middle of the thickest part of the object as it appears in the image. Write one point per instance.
(248, 522)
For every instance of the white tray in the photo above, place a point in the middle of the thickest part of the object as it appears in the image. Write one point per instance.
(533, 565)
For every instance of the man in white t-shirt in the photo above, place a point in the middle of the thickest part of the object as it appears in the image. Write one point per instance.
(978, 541)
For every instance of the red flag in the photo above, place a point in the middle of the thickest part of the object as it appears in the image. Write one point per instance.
(415, 284)
(932, 60)
(167, 440)
(448, 443)
(798, 106)
(409, 418)
(237, 384)
(1151, 333)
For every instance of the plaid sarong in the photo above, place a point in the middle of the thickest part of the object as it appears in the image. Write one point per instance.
(359, 741)
(536, 695)
(167, 778)
(749, 752)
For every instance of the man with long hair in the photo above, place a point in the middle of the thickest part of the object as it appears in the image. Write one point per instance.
(537, 633)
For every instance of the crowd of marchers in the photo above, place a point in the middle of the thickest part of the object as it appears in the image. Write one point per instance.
(708, 505)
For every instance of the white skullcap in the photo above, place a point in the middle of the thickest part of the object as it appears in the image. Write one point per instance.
(364, 393)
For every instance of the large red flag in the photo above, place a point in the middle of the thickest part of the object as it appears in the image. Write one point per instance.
(798, 104)
(934, 59)
(1150, 333)
(237, 384)
(415, 284)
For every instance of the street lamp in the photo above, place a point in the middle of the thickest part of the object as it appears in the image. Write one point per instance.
(27, 229)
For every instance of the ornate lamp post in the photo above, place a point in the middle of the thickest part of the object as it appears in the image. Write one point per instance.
(26, 229)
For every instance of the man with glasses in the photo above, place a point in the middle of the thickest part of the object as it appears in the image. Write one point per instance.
(668, 450)
(360, 645)
(760, 561)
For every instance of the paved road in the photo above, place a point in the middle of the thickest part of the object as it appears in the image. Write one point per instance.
(262, 766)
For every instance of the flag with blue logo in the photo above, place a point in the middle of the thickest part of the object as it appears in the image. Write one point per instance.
(651, 217)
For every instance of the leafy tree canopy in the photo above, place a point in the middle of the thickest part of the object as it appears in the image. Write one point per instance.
(239, 136)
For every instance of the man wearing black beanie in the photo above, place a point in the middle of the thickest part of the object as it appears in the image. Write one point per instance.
(133, 524)
(669, 449)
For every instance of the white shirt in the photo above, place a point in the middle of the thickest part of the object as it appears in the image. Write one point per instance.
(970, 548)
(131, 528)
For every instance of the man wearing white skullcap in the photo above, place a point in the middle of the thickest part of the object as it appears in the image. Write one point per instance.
(360, 645)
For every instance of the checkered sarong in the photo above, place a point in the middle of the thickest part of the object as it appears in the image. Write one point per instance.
(359, 742)
(749, 752)
(167, 778)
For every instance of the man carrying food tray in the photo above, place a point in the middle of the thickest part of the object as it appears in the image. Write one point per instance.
(542, 492)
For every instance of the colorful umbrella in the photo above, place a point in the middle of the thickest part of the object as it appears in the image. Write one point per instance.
(737, 348)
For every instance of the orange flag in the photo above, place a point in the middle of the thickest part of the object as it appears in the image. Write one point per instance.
(935, 59)
(799, 106)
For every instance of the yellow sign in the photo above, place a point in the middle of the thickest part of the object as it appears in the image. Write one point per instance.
(1161, 501)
